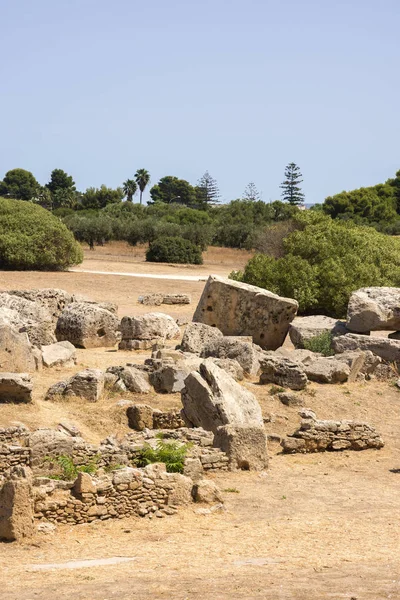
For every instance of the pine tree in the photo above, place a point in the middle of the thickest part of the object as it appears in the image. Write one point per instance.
(251, 193)
(207, 189)
(291, 186)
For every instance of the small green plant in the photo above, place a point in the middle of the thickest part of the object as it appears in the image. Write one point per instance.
(69, 470)
(113, 467)
(283, 498)
(232, 490)
(321, 343)
(171, 453)
(274, 389)
(347, 392)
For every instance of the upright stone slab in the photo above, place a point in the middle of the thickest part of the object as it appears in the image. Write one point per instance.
(374, 308)
(16, 351)
(246, 447)
(240, 309)
(16, 506)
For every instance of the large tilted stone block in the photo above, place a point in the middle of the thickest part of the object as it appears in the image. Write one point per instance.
(198, 335)
(246, 447)
(374, 308)
(87, 326)
(28, 316)
(151, 326)
(87, 384)
(240, 309)
(59, 354)
(283, 372)
(131, 379)
(245, 353)
(388, 349)
(212, 398)
(303, 329)
(15, 387)
(16, 506)
(16, 351)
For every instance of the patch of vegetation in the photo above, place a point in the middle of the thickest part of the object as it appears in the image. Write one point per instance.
(274, 389)
(321, 343)
(174, 250)
(171, 453)
(32, 238)
(232, 490)
(69, 470)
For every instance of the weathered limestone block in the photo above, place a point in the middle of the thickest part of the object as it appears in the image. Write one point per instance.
(16, 351)
(198, 335)
(16, 506)
(388, 349)
(245, 353)
(88, 384)
(246, 447)
(169, 379)
(212, 398)
(181, 493)
(133, 380)
(374, 308)
(240, 309)
(231, 366)
(27, 316)
(328, 369)
(48, 443)
(52, 299)
(159, 298)
(140, 416)
(87, 325)
(151, 326)
(290, 399)
(167, 420)
(15, 387)
(59, 354)
(305, 328)
(283, 372)
(207, 492)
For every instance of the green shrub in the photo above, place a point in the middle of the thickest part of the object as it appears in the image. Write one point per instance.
(174, 250)
(324, 262)
(32, 238)
(68, 470)
(321, 343)
(171, 453)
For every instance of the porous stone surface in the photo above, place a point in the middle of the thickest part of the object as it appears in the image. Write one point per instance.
(212, 398)
(136, 344)
(246, 447)
(159, 298)
(48, 443)
(140, 416)
(374, 308)
(59, 354)
(16, 351)
(87, 325)
(27, 316)
(317, 436)
(245, 353)
(151, 326)
(16, 506)
(305, 328)
(169, 379)
(52, 299)
(283, 372)
(15, 387)
(240, 309)
(290, 399)
(327, 369)
(388, 349)
(207, 492)
(197, 335)
(231, 366)
(132, 379)
(87, 384)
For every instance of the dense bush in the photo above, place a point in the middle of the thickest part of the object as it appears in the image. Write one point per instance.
(174, 250)
(321, 343)
(32, 238)
(171, 453)
(325, 261)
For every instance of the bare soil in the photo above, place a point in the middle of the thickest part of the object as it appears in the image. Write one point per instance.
(312, 527)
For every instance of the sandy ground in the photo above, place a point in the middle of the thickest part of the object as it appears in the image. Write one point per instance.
(312, 527)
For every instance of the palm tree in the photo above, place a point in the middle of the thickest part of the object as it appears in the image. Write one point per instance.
(130, 188)
(142, 178)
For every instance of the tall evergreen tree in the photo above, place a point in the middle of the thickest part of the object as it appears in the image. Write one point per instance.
(207, 190)
(130, 187)
(251, 193)
(142, 178)
(59, 179)
(291, 186)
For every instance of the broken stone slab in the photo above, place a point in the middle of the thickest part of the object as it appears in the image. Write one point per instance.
(151, 326)
(303, 329)
(245, 353)
(17, 354)
(328, 369)
(290, 399)
(283, 372)
(212, 398)
(240, 309)
(87, 325)
(136, 344)
(374, 308)
(386, 348)
(27, 316)
(206, 491)
(231, 366)
(246, 447)
(16, 506)
(59, 354)
(197, 335)
(159, 298)
(15, 387)
(169, 379)
(52, 299)
(87, 384)
(140, 416)
(133, 379)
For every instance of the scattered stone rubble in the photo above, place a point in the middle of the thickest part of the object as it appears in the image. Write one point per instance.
(142, 332)
(158, 299)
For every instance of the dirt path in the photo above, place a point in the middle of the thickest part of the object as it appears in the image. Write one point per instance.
(171, 277)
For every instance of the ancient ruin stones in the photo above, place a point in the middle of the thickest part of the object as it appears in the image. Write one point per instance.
(140, 416)
(388, 349)
(197, 335)
(87, 384)
(240, 309)
(26, 315)
(374, 308)
(49, 443)
(212, 398)
(129, 378)
(87, 326)
(169, 379)
(147, 328)
(290, 399)
(16, 352)
(53, 300)
(59, 354)
(302, 329)
(245, 353)
(245, 446)
(15, 387)
(16, 506)
(328, 370)
(206, 492)
(283, 372)
(159, 298)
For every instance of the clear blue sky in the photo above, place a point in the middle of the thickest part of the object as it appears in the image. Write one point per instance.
(239, 87)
